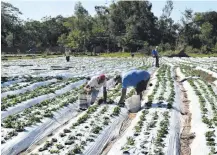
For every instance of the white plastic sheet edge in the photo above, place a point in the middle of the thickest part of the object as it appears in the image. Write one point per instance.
(26, 104)
(28, 88)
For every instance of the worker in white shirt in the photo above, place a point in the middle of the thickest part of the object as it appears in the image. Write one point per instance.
(67, 54)
(94, 85)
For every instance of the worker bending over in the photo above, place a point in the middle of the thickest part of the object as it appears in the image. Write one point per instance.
(135, 78)
(94, 85)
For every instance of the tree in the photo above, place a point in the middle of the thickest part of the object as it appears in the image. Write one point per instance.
(197, 29)
(185, 34)
(167, 10)
(133, 20)
(123, 25)
(206, 34)
(167, 28)
(80, 29)
(10, 20)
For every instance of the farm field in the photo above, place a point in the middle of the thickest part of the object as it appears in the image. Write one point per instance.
(40, 113)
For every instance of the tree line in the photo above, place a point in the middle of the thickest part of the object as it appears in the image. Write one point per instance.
(123, 26)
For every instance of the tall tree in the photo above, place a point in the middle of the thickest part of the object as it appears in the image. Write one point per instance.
(133, 20)
(167, 28)
(80, 27)
(10, 21)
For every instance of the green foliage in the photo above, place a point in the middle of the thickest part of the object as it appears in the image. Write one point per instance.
(123, 26)
(10, 22)
(130, 141)
(77, 149)
(138, 128)
(54, 151)
(199, 31)
(96, 129)
(104, 110)
(206, 32)
(82, 119)
(92, 109)
(74, 39)
(116, 111)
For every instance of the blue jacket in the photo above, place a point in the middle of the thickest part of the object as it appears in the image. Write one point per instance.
(155, 52)
(133, 77)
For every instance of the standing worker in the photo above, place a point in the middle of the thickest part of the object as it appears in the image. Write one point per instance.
(156, 56)
(135, 78)
(93, 87)
(67, 54)
(132, 54)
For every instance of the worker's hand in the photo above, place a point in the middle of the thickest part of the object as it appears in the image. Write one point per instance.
(87, 89)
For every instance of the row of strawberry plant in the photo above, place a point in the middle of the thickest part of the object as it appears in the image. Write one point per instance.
(17, 123)
(18, 86)
(142, 135)
(36, 113)
(171, 98)
(210, 135)
(12, 100)
(145, 139)
(141, 142)
(162, 86)
(77, 137)
(211, 99)
(204, 92)
(167, 94)
(88, 125)
(156, 87)
(161, 134)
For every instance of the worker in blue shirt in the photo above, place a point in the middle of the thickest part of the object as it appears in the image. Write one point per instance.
(156, 56)
(135, 78)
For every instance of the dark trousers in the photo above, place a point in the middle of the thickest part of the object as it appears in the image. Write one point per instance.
(141, 86)
(67, 58)
(156, 61)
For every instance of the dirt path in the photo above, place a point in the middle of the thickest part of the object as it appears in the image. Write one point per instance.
(186, 136)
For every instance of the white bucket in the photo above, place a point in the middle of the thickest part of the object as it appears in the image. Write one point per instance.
(84, 100)
(133, 103)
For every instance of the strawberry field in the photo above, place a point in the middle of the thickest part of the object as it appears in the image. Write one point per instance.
(40, 111)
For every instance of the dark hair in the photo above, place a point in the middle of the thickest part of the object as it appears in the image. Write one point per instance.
(117, 78)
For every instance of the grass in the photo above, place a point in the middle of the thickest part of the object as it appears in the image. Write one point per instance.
(114, 54)
(164, 53)
(30, 57)
(202, 55)
(120, 54)
(168, 53)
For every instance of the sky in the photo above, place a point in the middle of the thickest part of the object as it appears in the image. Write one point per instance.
(36, 9)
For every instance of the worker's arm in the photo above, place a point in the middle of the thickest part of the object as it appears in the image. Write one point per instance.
(104, 94)
(87, 88)
(123, 95)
